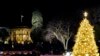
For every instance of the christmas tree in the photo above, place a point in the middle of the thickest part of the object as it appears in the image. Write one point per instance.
(85, 44)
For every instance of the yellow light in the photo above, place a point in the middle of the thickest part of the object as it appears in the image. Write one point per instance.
(85, 14)
(86, 54)
(84, 38)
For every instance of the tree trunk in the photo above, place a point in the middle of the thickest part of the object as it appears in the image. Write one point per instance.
(66, 44)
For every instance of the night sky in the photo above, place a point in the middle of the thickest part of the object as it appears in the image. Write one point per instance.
(69, 10)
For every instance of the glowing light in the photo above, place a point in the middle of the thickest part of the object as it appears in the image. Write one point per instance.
(86, 54)
(68, 54)
(85, 14)
(5, 42)
(21, 35)
(84, 38)
(1, 52)
(12, 46)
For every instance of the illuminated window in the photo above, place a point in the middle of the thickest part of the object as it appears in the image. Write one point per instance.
(21, 35)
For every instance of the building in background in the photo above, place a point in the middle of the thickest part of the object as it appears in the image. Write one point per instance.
(21, 35)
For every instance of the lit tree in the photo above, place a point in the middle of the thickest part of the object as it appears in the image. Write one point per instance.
(37, 20)
(85, 43)
(59, 31)
(37, 23)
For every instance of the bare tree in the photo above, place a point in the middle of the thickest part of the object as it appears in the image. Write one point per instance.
(60, 31)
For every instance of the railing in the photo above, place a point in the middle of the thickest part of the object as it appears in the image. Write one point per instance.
(15, 52)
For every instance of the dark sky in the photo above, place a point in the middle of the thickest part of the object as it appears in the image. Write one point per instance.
(10, 12)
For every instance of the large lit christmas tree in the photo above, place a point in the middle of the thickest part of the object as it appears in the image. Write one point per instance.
(85, 44)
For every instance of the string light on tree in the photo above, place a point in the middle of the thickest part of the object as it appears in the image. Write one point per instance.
(85, 44)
